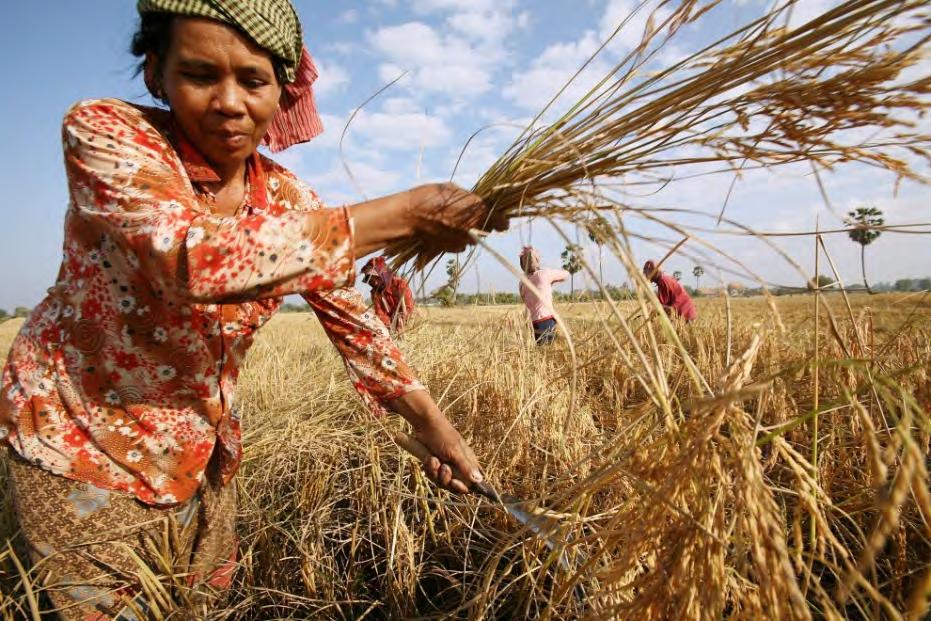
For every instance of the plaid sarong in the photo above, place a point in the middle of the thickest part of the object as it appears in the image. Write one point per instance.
(98, 555)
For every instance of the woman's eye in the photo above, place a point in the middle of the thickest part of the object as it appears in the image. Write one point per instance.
(255, 83)
(201, 78)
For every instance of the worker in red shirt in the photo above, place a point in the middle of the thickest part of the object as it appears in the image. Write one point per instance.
(670, 293)
(391, 295)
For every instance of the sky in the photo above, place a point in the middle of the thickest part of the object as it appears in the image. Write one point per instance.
(469, 64)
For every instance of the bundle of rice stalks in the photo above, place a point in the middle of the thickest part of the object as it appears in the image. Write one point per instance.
(826, 92)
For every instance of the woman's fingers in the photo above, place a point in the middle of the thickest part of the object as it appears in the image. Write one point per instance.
(451, 464)
(498, 221)
(467, 464)
(445, 476)
(431, 466)
(444, 208)
(458, 486)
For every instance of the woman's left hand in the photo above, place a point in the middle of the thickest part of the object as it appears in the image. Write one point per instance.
(450, 463)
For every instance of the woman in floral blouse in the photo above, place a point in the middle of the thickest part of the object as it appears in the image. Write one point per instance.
(180, 241)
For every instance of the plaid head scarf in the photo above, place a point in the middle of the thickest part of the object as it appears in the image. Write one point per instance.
(274, 26)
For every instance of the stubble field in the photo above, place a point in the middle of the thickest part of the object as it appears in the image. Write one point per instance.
(682, 474)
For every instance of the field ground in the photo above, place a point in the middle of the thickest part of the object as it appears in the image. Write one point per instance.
(675, 470)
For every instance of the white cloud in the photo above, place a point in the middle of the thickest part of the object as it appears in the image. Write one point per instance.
(332, 78)
(335, 186)
(533, 88)
(457, 57)
(401, 105)
(491, 26)
(523, 20)
(438, 64)
(416, 43)
(343, 48)
(333, 126)
(393, 131)
(804, 12)
(457, 81)
(478, 157)
(389, 72)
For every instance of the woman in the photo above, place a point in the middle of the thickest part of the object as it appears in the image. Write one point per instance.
(391, 295)
(180, 241)
(539, 299)
(670, 293)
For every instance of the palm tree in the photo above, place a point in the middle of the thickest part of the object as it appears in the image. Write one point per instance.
(698, 272)
(864, 220)
(599, 231)
(572, 263)
(677, 275)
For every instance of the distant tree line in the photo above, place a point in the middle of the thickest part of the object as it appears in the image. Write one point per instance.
(447, 296)
(904, 284)
(443, 297)
(826, 283)
(19, 311)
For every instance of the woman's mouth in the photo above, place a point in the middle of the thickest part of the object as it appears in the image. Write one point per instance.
(233, 140)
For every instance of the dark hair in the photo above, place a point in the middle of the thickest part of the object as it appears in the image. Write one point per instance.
(154, 36)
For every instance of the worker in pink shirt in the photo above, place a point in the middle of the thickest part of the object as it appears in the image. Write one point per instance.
(540, 302)
(670, 293)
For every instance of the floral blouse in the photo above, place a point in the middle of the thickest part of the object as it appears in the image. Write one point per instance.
(124, 376)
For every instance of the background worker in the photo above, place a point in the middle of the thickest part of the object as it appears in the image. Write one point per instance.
(391, 295)
(539, 303)
(671, 294)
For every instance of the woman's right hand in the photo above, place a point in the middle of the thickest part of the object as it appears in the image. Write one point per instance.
(442, 214)
(438, 215)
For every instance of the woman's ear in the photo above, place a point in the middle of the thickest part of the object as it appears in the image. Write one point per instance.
(152, 75)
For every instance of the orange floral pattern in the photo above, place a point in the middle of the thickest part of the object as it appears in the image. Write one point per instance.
(124, 376)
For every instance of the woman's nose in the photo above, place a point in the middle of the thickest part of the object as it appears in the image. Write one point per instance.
(228, 99)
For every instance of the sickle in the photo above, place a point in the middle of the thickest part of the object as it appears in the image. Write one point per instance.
(511, 504)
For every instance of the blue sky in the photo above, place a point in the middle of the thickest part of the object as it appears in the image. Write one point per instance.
(469, 62)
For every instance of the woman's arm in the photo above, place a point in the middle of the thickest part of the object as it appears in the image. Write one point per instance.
(375, 365)
(439, 215)
(557, 275)
(127, 183)
(383, 379)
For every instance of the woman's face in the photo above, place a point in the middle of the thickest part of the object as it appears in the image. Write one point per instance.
(221, 88)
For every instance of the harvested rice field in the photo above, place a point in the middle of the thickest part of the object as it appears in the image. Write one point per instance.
(681, 473)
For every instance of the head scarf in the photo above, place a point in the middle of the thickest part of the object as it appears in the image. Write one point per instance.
(274, 26)
(379, 267)
(529, 260)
